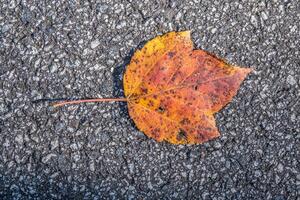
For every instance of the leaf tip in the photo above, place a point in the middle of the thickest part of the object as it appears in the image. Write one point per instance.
(186, 33)
(245, 71)
(249, 70)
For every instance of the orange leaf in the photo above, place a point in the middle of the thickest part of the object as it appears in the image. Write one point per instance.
(173, 91)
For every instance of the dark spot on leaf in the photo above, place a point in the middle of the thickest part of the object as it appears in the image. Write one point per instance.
(171, 54)
(162, 68)
(155, 132)
(204, 129)
(150, 104)
(200, 136)
(173, 78)
(185, 121)
(160, 109)
(144, 90)
(181, 135)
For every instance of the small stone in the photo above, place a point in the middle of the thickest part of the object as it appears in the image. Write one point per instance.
(264, 16)
(121, 25)
(46, 158)
(280, 167)
(14, 187)
(92, 166)
(98, 67)
(54, 175)
(76, 157)
(53, 68)
(110, 62)
(253, 21)
(59, 126)
(178, 16)
(95, 43)
(257, 173)
(6, 143)
(102, 8)
(291, 80)
(19, 139)
(54, 144)
(277, 179)
(279, 197)
(175, 194)
(217, 145)
(293, 28)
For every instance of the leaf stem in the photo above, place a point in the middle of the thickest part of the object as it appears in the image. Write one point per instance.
(88, 101)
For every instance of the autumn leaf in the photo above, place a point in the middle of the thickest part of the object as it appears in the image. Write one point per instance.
(173, 91)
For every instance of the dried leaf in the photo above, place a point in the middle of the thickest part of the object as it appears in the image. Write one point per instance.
(173, 91)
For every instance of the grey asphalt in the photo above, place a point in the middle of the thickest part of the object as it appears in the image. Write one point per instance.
(76, 49)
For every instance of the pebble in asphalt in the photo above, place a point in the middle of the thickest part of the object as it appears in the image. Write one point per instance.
(61, 49)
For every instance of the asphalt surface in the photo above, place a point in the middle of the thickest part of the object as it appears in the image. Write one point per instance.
(72, 49)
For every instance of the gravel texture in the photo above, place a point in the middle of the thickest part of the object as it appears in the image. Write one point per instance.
(76, 49)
